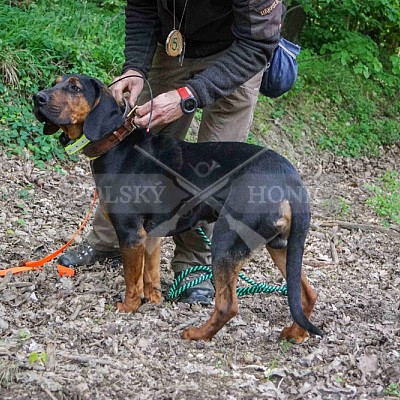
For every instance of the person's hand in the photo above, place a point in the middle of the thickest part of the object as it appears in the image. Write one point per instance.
(166, 108)
(133, 85)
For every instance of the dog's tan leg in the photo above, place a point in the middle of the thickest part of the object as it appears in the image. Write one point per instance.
(226, 305)
(308, 298)
(151, 275)
(133, 260)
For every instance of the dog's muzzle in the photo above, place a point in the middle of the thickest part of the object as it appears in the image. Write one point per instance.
(39, 100)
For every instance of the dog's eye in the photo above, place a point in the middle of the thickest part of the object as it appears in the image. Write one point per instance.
(75, 88)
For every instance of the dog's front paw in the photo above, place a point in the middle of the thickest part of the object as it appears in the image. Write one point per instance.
(294, 334)
(153, 296)
(129, 306)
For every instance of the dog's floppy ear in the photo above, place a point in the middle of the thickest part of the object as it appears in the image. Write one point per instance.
(49, 128)
(106, 115)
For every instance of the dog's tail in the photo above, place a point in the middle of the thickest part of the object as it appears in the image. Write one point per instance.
(295, 250)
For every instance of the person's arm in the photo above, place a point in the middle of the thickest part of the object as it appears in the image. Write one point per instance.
(140, 35)
(141, 22)
(257, 30)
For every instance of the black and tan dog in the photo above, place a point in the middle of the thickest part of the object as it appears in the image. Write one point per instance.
(156, 186)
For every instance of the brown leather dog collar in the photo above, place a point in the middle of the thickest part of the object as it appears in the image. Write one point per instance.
(97, 149)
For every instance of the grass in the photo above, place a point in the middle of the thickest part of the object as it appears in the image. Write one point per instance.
(8, 374)
(338, 206)
(393, 390)
(386, 197)
(341, 112)
(284, 347)
(66, 36)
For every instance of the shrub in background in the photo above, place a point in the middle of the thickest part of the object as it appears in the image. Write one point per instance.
(66, 37)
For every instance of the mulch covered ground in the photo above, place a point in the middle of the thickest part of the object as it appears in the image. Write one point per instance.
(61, 338)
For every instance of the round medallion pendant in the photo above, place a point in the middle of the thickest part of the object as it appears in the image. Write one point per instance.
(174, 43)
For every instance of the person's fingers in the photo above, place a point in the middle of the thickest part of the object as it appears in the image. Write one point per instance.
(142, 115)
(141, 111)
(117, 90)
(131, 82)
(134, 93)
(166, 108)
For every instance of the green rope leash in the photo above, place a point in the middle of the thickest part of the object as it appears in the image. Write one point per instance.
(175, 291)
(207, 241)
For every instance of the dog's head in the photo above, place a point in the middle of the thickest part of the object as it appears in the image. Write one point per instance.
(78, 104)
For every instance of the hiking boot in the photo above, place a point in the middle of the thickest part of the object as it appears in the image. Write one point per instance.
(202, 293)
(85, 254)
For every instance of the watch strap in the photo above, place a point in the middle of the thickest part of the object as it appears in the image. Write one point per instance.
(184, 92)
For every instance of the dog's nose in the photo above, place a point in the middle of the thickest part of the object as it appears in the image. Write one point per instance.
(41, 98)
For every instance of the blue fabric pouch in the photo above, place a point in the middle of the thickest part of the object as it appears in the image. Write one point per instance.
(281, 73)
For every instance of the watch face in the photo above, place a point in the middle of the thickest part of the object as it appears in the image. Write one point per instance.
(190, 105)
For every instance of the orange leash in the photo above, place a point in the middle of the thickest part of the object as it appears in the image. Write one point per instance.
(27, 265)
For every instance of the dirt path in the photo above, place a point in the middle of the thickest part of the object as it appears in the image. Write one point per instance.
(92, 352)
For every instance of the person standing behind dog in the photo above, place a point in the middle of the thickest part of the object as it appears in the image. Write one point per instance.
(203, 54)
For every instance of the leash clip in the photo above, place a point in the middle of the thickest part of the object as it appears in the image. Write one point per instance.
(132, 112)
(129, 124)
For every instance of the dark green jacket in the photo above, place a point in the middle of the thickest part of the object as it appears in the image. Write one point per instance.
(247, 29)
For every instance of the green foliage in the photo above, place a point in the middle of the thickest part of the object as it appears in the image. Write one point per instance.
(331, 20)
(356, 50)
(24, 334)
(21, 131)
(393, 390)
(395, 62)
(343, 112)
(332, 100)
(67, 36)
(253, 139)
(338, 206)
(360, 34)
(113, 5)
(386, 199)
(36, 357)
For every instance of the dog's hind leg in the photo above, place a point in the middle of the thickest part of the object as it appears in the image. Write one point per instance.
(228, 255)
(225, 275)
(151, 274)
(295, 333)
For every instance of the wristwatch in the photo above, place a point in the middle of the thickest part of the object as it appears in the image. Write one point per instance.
(188, 101)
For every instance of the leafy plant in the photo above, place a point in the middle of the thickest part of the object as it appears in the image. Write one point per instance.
(36, 357)
(393, 390)
(338, 206)
(67, 37)
(386, 199)
(113, 5)
(24, 334)
(333, 101)
(253, 139)
(356, 50)
(341, 112)
(24, 193)
(331, 20)
(21, 222)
